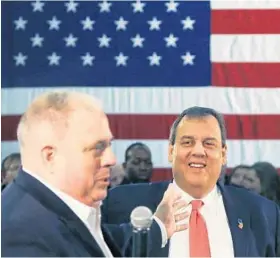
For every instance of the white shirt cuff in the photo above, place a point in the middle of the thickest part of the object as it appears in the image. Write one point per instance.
(163, 231)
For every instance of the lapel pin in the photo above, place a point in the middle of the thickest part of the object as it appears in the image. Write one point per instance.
(240, 223)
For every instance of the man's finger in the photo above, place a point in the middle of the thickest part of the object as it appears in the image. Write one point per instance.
(179, 205)
(181, 227)
(181, 216)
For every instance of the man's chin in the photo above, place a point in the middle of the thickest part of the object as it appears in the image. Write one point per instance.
(100, 195)
(193, 181)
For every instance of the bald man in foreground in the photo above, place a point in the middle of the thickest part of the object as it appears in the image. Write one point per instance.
(53, 207)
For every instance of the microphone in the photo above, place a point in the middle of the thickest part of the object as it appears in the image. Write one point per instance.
(141, 219)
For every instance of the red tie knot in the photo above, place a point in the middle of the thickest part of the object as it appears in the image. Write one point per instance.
(196, 204)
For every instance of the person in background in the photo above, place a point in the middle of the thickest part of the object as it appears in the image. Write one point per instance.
(9, 169)
(138, 164)
(116, 175)
(237, 174)
(261, 178)
(269, 180)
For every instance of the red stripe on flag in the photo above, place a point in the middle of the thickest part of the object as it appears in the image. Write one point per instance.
(163, 174)
(158, 126)
(245, 21)
(256, 75)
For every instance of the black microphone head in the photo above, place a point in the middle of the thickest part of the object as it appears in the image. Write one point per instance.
(141, 217)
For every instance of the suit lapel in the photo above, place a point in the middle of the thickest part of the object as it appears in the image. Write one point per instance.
(85, 237)
(239, 222)
(110, 242)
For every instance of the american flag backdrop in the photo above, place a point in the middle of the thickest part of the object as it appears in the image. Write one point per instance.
(147, 61)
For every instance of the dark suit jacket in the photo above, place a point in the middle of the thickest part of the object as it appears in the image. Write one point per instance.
(35, 222)
(260, 235)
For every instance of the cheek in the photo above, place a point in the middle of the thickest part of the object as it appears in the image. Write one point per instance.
(214, 154)
(79, 166)
(92, 167)
(215, 158)
(131, 168)
(256, 183)
(180, 155)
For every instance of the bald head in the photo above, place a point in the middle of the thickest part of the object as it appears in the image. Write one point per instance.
(49, 114)
(47, 119)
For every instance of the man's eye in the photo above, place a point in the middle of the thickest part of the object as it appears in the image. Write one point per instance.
(100, 147)
(209, 143)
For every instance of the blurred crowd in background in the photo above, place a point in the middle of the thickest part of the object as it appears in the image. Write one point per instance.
(261, 177)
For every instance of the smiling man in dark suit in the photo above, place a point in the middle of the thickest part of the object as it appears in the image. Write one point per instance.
(53, 206)
(224, 221)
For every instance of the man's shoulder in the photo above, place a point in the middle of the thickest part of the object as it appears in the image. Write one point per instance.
(135, 194)
(28, 224)
(21, 211)
(139, 188)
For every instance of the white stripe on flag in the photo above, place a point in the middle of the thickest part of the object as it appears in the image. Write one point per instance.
(157, 100)
(239, 152)
(245, 4)
(245, 48)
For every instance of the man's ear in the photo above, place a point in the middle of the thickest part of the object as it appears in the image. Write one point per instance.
(124, 165)
(49, 157)
(224, 154)
(48, 154)
(170, 152)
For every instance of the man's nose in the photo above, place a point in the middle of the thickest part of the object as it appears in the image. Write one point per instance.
(108, 158)
(198, 149)
(142, 165)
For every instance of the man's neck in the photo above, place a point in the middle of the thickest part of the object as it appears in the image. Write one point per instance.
(63, 192)
(195, 192)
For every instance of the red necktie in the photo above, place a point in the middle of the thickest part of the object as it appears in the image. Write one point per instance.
(199, 242)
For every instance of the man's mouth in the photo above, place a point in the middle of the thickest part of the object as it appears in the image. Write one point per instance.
(197, 165)
(105, 179)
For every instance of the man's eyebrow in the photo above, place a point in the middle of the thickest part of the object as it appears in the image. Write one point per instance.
(186, 137)
(89, 147)
(93, 145)
(210, 139)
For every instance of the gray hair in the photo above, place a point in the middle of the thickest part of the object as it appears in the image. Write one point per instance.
(198, 112)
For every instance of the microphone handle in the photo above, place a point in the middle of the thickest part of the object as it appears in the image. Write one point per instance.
(140, 239)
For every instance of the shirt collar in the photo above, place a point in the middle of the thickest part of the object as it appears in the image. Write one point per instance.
(80, 209)
(208, 199)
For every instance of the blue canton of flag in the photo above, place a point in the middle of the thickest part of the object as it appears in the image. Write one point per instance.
(152, 43)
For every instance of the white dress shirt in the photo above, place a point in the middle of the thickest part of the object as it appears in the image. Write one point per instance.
(219, 234)
(90, 216)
